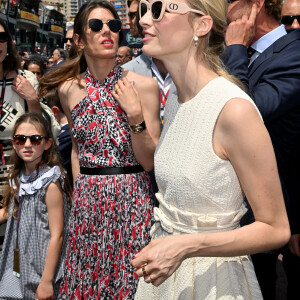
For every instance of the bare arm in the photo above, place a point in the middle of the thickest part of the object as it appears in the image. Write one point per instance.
(141, 102)
(241, 137)
(64, 91)
(55, 207)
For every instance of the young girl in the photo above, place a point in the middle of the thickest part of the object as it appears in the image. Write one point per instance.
(36, 207)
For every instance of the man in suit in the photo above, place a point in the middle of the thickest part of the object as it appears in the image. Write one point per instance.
(124, 55)
(59, 56)
(272, 77)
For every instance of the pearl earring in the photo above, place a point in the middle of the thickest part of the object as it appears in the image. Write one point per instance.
(195, 38)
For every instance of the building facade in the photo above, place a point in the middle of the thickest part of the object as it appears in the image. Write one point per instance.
(35, 27)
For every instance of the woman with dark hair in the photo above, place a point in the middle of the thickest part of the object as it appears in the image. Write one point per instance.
(17, 95)
(112, 145)
(35, 65)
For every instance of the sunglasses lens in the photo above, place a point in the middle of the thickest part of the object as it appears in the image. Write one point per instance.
(65, 40)
(20, 139)
(36, 140)
(114, 25)
(95, 24)
(156, 10)
(143, 9)
(3, 37)
(287, 20)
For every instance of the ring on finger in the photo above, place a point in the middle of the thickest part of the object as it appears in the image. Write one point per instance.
(144, 272)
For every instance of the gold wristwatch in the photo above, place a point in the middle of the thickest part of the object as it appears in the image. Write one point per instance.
(137, 128)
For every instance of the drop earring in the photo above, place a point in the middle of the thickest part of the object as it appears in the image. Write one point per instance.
(195, 38)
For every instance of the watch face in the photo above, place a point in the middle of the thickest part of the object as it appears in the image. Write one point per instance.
(138, 127)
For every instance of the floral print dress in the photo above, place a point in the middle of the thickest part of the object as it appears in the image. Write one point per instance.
(111, 214)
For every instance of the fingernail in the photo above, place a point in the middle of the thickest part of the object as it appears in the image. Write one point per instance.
(132, 82)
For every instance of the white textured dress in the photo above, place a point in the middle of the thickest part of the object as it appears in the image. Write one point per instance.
(199, 193)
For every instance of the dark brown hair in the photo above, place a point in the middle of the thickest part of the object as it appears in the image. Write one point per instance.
(52, 99)
(33, 60)
(74, 67)
(12, 61)
(273, 8)
(50, 158)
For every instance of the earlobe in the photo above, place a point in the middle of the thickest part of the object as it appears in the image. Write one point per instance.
(48, 144)
(55, 111)
(259, 4)
(203, 26)
(78, 41)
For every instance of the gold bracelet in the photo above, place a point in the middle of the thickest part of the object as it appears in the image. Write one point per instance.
(137, 128)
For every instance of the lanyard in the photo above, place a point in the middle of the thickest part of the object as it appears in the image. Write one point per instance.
(2, 96)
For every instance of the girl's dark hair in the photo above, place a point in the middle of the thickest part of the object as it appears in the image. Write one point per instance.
(50, 158)
(72, 68)
(34, 60)
(12, 61)
(52, 99)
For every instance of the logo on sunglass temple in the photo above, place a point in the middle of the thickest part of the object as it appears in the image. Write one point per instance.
(173, 6)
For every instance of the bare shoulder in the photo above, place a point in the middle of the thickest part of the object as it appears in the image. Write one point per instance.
(54, 187)
(70, 84)
(141, 82)
(71, 92)
(238, 112)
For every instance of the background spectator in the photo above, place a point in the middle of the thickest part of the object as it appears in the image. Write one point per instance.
(290, 14)
(124, 55)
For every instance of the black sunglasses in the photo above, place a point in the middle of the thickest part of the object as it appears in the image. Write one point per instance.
(230, 1)
(35, 140)
(132, 15)
(65, 40)
(288, 20)
(96, 25)
(3, 37)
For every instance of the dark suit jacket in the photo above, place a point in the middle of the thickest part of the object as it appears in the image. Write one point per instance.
(273, 82)
(65, 148)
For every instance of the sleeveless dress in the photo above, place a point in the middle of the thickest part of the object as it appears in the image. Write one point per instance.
(111, 214)
(199, 193)
(33, 237)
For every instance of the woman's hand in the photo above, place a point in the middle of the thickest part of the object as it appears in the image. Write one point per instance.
(26, 91)
(160, 259)
(45, 291)
(129, 100)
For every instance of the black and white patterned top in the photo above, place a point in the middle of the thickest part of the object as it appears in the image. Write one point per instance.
(34, 237)
(13, 108)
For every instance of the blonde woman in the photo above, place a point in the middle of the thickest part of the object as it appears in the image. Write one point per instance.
(214, 149)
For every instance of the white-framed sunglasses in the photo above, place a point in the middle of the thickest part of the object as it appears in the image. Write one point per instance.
(158, 8)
